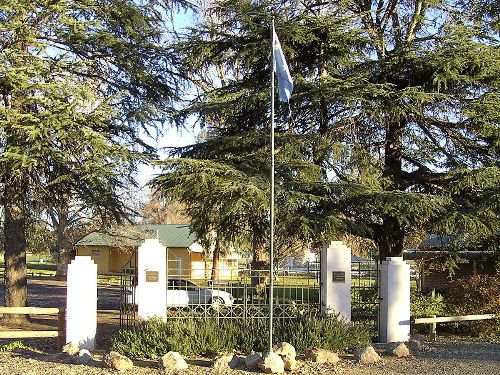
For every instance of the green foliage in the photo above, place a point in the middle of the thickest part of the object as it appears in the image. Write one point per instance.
(423, 305)
(395, 121)
(154, 338)
(365, 302)
(79, 81)
(12, 346)
(40, 239)
(475, 295)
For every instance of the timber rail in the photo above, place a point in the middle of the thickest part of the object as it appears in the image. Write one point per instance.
(433, 320)
(59, 333)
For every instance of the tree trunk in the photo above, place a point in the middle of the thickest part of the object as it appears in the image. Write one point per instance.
(63, 244)
(393, 155)
(15, 285)
(390, 239)
(260, 271)
(216, 262)
(390, 236)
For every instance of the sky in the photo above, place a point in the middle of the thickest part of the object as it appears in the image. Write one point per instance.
(171, 137)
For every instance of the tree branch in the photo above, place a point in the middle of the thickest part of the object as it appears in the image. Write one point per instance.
(416, 20)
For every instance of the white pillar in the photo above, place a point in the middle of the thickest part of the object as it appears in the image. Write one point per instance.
(151, 290)
(336, 279)
(395, 300)
(81, 302)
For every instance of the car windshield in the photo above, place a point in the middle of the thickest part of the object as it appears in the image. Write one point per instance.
(182, 284)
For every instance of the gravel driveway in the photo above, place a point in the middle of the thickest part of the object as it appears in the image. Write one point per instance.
(459, 358)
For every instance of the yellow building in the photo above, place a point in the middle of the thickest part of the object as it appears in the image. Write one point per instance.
(116, 248)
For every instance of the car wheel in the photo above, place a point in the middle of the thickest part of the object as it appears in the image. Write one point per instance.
(217, 303)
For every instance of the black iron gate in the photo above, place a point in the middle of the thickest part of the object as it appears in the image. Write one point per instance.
(365, 292)
(128, 282)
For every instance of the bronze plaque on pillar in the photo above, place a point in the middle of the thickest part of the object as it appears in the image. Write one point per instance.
(338, 276)
(152, 276)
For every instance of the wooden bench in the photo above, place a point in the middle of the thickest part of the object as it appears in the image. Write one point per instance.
(61, 323)
(433, 320)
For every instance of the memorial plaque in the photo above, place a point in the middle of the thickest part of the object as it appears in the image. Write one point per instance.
(338, 276)
(152, 276)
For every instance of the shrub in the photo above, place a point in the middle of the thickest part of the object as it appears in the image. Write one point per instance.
(154, 338)
(427, 304)
(12, 346)
(475, 295)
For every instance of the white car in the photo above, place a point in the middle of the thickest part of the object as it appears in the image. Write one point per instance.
(182, 292)
(198, 295)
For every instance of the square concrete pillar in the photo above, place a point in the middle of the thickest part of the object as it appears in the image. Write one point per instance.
(395, 300)
(336, 279)
(81, 302)
(151, 289)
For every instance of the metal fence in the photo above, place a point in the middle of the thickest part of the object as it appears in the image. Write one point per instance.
(241, 293)
(244, 293)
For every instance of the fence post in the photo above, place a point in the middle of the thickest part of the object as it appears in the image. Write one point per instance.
(433, 328)
(395, 300)
(61, 327)
(335, 277)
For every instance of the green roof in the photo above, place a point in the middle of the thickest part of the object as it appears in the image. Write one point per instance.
(170, 235)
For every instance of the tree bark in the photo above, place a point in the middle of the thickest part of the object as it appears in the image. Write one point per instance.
(15, 285)
(390, 239)
(390, 236)
(393, 155)
(259, 270)
(63, 244)
(216, 261)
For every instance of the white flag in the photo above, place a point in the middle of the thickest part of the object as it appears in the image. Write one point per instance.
(285, 83)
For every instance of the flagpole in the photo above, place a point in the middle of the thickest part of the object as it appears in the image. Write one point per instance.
(271, 238)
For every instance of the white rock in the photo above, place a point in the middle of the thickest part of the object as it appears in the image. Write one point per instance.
(272, 364)
(71, 348)
(284, 349)
(172, 362)
(224, 362)
(397, 349)
(321, 356)
(287, 353)
(117, 361)
(366, 355)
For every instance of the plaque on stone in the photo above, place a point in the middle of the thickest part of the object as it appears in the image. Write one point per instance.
(152, 276)
(338, 276)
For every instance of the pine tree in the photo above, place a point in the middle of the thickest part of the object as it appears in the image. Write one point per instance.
(396, 110)
(78, 79)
